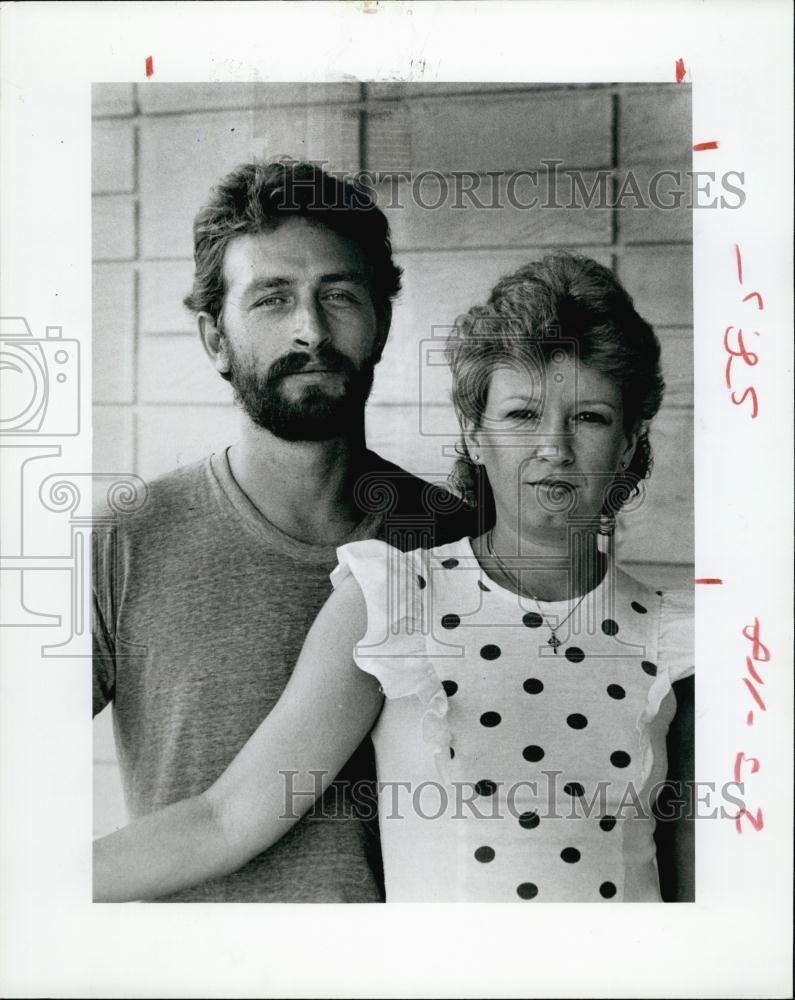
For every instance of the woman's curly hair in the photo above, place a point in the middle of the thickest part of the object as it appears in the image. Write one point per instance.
(562, 302)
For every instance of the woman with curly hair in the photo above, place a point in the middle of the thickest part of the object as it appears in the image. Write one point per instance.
(520, 687)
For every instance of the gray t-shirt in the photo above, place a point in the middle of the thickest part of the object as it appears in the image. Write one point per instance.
(201, 608)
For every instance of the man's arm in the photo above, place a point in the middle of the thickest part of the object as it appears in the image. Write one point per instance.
(104, 541)
(676, 842)
(103, 659)
(325, 711)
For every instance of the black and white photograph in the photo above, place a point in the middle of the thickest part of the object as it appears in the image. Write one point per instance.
(534, 241)
(402, 502)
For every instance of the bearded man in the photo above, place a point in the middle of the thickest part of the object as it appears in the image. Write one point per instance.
(203, 597)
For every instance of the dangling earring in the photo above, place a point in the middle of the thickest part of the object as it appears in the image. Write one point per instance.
(605, 533)
(607, 524)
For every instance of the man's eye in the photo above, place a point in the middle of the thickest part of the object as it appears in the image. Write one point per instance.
(270, 300)
(338, 295)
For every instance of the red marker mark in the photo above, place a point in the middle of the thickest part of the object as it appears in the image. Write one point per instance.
(739, 259)
(738, 763)
(757, 822)
(750, 665)
(680, 70)
(760, 651)
(700, 146)
(708, 579)
(150, 66)
(754, 694)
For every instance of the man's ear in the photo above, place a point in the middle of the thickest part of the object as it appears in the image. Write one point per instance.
(383, 323)
(214, 343)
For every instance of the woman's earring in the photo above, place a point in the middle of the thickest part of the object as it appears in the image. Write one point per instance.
(605, 534)
(607, 524)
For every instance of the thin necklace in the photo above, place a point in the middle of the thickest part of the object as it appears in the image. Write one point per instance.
(553, 640)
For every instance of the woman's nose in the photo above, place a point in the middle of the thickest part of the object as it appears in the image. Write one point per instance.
(553, 442)
(559, 453)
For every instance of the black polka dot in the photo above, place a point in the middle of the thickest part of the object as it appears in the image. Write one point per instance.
(527, 890)
(638, 607)
(452, 753)
(616, 691)
(529, 820)
(649, 668)
(620, 758)
(483, 586)
(574, 654)
(490, 652)
(576, 721)
(449, 563)
(607, 889)
(533, 686)
(484, 854)
(659, 593)
(532, 620)
(570, 855)
(609, 627)
(532, 753)
(421, 582)
(607, 823)
(573, 788)
(450, 688)
(450, 621)
(490, 719)
(485, 787)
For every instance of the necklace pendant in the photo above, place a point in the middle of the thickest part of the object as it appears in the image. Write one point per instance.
(554, 642)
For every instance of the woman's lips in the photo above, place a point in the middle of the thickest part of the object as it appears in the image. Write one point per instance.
(554, 484)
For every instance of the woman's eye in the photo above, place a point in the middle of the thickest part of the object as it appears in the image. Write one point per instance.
(591, 417)
(524, 416)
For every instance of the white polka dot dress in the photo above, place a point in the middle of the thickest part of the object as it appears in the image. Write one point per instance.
(510, 771)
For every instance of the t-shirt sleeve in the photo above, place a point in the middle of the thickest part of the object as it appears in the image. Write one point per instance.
(676, 634)
(103, 639)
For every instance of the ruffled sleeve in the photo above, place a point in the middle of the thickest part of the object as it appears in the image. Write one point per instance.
(394, 648)
(676, 643)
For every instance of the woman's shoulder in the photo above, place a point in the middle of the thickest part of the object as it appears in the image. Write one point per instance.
(674, 617)
(404, 578)
(674, 598)
(376, 549)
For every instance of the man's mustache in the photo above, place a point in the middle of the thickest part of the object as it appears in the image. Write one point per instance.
(327, 358)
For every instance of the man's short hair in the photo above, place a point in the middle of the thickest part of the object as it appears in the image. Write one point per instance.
(257, 197)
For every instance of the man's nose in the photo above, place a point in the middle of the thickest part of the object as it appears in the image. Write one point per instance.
(310, 329)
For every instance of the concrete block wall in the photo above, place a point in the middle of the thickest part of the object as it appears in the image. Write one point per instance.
(158, 148)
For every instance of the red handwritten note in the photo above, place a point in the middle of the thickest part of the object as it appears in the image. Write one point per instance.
(734, 344)
(759, 653)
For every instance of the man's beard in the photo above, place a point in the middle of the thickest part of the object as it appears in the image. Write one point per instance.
(315, 414)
